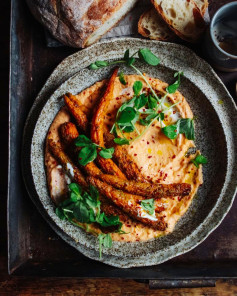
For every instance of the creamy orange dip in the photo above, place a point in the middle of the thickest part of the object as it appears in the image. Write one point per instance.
(159, 158)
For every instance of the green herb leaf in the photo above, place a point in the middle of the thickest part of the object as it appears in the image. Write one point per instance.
(147, 56)
(93, 66)
(173, 87)
(107, 152)
(137, 87)
(74, 187)
(105, 240)
(170, 131)
(148, 205)
(101, 64)
(87, 154)
(94, 192)
(129, 128)
(60, 213)
(186, 126)
(144, 122)
(126, 116)
(83, 141)
(126, 55)
(141, 101)
(152, 102)
(121, 141)
(130, 61)
(122, 79)
(182, 126)
(199, 159)
(81, 212)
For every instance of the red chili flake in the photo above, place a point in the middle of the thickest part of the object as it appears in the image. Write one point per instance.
(117, 98)
(150, 156)
(137, 240)
(174, 112)
(143, 140)
(173, 156)
(153, 141)
(153, 137)
(84, 92)
(149, 78)
(171, 168)
(178, 175)
(153, 124)
(159, 111)
(148, 177)
(122, 238)
(175, 131)
(128, 225)
(131, 146)
(135, 154)
(143, 109)
(179, 198)
(141, 168)
(161, 173)
(148, 143)
(165, 177)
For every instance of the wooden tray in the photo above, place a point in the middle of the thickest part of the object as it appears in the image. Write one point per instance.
(34, 249)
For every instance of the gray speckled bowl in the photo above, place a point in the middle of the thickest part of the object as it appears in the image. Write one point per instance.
(215, 136)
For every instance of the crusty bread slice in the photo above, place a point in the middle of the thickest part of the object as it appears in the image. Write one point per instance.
(183, 17)
(152, 25)
(202, 5)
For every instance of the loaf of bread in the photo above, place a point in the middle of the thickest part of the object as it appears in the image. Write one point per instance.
(151, 25)
(182, 16)
(202, 5)
(79, 23)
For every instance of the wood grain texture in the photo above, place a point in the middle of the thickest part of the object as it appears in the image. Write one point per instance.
(221, 245)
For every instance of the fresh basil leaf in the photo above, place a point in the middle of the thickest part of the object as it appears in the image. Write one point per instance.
(186, 126)
(74, 187)
(199, 159)
(126, 116)
(152, 102)
(180, 73)
(126, 55)
(137, 87)
(101, 64)
(107, 153)
(121, 141)
(59, 212)
(83, 141)
(87, 154)
(81, 212)
(122, 79)
(170, 131)
(148, 205)
(147, 56)
(141, 101)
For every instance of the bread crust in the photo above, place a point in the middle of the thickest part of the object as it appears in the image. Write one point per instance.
(143, 31)
(72, 22)
(198, 19)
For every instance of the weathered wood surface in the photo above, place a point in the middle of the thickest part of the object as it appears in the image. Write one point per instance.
(220, 246)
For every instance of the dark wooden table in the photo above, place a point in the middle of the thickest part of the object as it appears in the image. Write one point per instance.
(12, 285)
